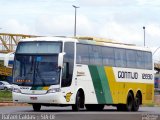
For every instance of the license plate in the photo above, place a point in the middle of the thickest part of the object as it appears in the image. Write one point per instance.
(33, 98)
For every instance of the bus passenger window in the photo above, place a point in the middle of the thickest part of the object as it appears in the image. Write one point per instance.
(65, 75)
(68, 64)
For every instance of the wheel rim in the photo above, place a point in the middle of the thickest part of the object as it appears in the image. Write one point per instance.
(137, 101)
(129, 103)
(78, 102)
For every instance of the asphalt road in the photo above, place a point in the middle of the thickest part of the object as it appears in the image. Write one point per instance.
(65, 113)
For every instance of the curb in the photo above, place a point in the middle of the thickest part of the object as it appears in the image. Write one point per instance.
(13, 104)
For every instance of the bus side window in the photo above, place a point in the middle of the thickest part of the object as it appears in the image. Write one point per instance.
(68, 64)
(64, 71)
(65, 74)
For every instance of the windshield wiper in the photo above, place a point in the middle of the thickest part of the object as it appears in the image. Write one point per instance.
(31, 72)
(36, 72)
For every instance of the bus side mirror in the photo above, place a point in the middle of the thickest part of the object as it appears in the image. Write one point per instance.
(60, 59)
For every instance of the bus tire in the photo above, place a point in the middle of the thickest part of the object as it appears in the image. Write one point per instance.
(136, 102)
(130, 102)
(79, 102)
(94, 107)
(36, 107)
(121, 107)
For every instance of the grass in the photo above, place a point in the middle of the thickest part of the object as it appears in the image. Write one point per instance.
(5, 95)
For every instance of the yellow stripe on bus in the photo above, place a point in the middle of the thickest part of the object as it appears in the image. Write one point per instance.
(45, 88)
(112, 83)
(119, 90)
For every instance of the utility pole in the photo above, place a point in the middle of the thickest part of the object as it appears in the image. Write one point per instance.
(144, 36)
(75, 22)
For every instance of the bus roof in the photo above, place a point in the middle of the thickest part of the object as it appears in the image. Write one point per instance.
(63, 39)
(97, 39)
(89, 40)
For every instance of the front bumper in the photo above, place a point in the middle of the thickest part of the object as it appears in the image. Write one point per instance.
(49, 98)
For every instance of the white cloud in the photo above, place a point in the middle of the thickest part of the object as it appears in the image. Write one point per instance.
(14, 26)
(107, 2)
(57, 25)
(153, 29)
(62, 25)
(84, 26)
(121, 32)
(149, 2)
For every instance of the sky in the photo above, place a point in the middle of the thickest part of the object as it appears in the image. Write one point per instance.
(120, 20)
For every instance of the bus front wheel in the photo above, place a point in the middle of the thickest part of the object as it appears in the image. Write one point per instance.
(36, 107)
(79, 102)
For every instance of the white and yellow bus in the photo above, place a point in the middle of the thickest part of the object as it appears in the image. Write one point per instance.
(82, 72)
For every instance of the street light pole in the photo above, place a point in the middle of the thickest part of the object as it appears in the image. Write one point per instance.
(75, 22)
(144, 36)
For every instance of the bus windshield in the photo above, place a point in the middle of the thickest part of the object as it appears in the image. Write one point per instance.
(36, 68)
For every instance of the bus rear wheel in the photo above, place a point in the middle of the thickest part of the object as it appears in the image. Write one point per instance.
(36, 107)
(136, 102)
(129, 104)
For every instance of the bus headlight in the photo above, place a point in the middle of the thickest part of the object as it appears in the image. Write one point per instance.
(54, 90)
(16, 90)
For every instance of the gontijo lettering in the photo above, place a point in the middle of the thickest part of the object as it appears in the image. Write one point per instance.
(134, 75)
(127, 75)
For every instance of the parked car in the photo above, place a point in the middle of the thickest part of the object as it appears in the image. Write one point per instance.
(5, 85)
